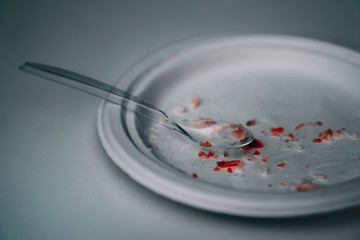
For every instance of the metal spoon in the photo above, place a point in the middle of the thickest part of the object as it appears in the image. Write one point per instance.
(220, 134)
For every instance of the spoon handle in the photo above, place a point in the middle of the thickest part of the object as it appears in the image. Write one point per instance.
(94, 87)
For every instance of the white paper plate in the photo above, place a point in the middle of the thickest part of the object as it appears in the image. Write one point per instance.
(281, 81)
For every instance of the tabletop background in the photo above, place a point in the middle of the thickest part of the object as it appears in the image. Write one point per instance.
(57, 182)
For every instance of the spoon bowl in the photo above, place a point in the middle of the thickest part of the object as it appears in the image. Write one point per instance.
(217, 134)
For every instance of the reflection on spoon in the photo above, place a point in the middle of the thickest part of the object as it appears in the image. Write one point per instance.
(206, 133)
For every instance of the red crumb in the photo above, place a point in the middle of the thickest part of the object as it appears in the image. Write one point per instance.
(203, 155)
(290, 135)
(227, 164)
(229, 170)
(317, 140)
(269, 185)
(254, 144)
(326, 135)
(276, 131)
(216, 169)
(281, 165)
(264, 160)
(196, 102)
(251, 123)
(238, 132)
(304, 187)
(256, 153)
(300, 126)
(195, 175)
(318, 123)
(205, 144)
(339, 133)
(226, 154)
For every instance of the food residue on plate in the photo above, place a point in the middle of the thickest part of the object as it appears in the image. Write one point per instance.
(256, 154)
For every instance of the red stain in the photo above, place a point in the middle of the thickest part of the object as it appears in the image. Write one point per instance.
(253, 145)
(251, 123)
(307, 166)
(317, 140)
(205, 144)
(203, 155)
(195, 175)
(229, 170)
(281, 165)
(216, 169)
(300, 126)
(227, 164)
(269, 185)
(264, 160)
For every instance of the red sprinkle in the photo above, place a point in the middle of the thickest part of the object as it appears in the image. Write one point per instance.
(300, 126)
(207, 156)
(257, 153)
(326, 135)
(195, 175)
(304, 187)
(216, 169)
(227, 164)
(318, 123)
(229, 170)
(205, 144)
(251, 123)
(281, 165)
(317, 140)
(196, 102)
(276, 131)
(290, 135)
(339, 133)
(254, 144)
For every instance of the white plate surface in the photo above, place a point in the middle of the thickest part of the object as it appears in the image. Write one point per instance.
(280, 81)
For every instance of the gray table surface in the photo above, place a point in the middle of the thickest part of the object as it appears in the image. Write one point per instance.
(57, 182)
